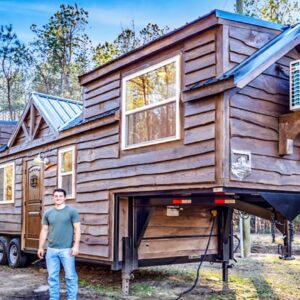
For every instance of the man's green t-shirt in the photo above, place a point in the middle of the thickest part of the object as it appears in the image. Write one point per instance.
(60, 222)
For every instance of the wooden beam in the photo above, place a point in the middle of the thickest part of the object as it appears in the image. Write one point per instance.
(39, 122)
(289, 129)
(31, 121)
(23, 125)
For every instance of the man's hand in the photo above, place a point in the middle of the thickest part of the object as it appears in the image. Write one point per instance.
(40, 253)
(75, 251)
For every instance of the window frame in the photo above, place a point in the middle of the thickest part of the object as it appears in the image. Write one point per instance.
(5, 182)
(60, 175)
(124, 129)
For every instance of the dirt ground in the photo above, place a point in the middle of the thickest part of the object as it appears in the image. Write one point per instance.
(261, 276)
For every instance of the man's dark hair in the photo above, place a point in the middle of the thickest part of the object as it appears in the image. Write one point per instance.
(60, 191)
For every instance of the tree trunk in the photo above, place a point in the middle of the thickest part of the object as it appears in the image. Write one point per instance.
(239, 6)
(9, 98)
(246, 236)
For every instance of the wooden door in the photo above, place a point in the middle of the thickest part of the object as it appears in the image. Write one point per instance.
(33, 204)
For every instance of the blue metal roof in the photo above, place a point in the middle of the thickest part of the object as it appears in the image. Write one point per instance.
(3, 148)
(263, 56)
(247, 20)
(58, 111)
(4, 122)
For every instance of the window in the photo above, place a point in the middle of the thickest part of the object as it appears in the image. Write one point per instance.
(66, 170)
(150, 111)
(7, 174)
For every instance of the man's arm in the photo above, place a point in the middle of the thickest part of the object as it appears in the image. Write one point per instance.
(77, 234)
(42, 241)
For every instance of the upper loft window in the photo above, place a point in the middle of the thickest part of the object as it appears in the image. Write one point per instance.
(150, 113)
(295, 85)
(66, 170)
(7, 174)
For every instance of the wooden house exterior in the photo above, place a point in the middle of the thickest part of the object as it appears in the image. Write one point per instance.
(166, 134)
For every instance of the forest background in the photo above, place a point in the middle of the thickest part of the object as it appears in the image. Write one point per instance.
(61, 51)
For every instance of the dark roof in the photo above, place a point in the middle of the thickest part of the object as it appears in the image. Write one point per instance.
(79, 120)
(261, 59)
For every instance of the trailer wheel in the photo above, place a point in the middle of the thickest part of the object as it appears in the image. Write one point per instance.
(3, 249)
(15, 257)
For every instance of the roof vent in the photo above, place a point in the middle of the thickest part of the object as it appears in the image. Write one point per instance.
(295, 85)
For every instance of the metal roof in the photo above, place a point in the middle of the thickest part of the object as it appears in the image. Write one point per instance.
(260, 57)
(58, 111)
(4, 122)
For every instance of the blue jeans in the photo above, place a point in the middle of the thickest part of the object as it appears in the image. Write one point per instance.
(53, 259)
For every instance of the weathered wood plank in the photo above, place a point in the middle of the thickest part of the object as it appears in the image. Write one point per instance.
(203, 39)
(200, 51)
(103, 97)
(91, 155)
(252, 38)
(92, 240)
(199, 134)
(246, 129)
(110, 140)
(255, 105)
(95, 250)
(199, 120)
(147, 169)
(200, 175)
(255, 118)
(148, 157)
(202, 74)
(101, 90)
(200, 63)
(93, 219)
(94, 230)
(197, 107)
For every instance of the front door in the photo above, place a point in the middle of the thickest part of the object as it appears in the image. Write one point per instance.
(33, 204)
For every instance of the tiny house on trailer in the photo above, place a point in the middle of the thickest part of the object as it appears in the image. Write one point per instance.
(169, 139)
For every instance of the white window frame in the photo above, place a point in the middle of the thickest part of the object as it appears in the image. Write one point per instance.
(176, 98)
(60, 175)
(5, 182)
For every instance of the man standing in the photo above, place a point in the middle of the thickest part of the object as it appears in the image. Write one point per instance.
(61, 227)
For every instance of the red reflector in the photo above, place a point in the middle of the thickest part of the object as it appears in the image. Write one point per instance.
(219, 201)
(176, 201)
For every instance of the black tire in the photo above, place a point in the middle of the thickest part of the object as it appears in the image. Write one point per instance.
(15, 257)
(4, 241)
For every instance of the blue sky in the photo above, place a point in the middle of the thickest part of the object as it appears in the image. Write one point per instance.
(107, 17)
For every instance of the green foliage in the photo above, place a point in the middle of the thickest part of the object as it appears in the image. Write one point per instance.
(128, 40)
(62, 51)
(14, 62)
(278, 11)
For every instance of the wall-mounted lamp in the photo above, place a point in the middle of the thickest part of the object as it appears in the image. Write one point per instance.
(40, 160)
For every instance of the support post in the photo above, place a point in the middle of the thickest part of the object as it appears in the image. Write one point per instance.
(127, 267)
(227, 220)
(287, 242)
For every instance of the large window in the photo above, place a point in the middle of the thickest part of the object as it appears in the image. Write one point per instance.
(7, 174)
(150, 112)
(66, 170)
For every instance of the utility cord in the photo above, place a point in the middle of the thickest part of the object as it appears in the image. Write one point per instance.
(214, 214)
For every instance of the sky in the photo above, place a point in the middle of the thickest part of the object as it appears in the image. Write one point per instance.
(108, 17)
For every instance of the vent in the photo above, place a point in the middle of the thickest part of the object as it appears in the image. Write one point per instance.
(295, 85)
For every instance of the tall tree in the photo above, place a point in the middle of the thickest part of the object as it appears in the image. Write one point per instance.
(279, 11)
(61, 51)
(128, 40)
(14, 62)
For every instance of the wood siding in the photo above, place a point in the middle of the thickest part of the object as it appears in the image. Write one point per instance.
(245, 41)
(254, 112)
(178, 236)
